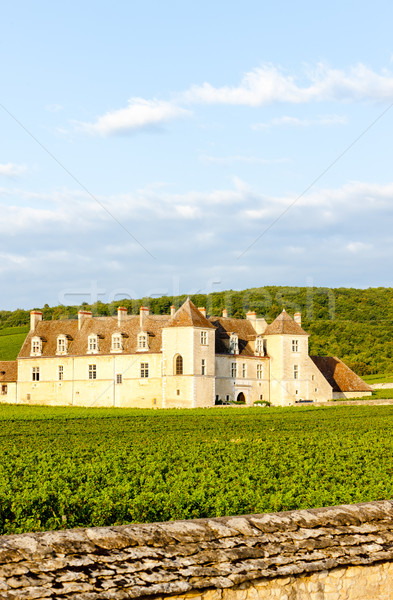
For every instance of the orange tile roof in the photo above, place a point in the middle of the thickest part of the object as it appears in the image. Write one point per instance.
(189, 316)
(340, 377)
(284, 324)
(103, 327)
(242, 327)
(8, 371)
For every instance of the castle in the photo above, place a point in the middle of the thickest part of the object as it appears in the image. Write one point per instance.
(183, 360)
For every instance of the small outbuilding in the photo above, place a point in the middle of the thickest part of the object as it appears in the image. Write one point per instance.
(345, 383)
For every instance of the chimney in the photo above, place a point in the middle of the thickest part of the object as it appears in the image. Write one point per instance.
(225, 313)
(173, 310)
(143, 312)
(297, 317)
(121, 315)
(82, 316)
(251, 316)
(202, 310)
(35, 317)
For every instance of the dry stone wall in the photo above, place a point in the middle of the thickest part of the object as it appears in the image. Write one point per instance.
(340, 553)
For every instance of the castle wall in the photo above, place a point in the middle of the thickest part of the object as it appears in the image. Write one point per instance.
(228, 387)
(8, 392)
(334, 553)
(309, 384)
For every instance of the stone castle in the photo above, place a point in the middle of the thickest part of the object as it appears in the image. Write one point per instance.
(181, 360)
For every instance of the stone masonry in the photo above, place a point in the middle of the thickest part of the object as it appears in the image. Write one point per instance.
(335, 553)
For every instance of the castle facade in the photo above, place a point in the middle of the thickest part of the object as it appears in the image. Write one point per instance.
(181, 360)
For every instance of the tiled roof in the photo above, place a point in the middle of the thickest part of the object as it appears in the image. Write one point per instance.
(284, 324)
(242, 327)
(8, 371)
(103, 327)
(340, 377)
(189, 316)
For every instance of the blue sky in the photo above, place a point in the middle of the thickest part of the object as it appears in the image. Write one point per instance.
(161, 148)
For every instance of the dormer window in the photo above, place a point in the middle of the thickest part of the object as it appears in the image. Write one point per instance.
(62, 344)
(92, 344)
(117, 343)
(143, 342)
(259, 350)
(36, 346)
(234, 344)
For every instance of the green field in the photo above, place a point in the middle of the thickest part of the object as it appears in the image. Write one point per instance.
(71, 467)
(11, 340)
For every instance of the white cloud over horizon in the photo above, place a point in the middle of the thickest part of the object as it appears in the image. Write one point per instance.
(192, 233)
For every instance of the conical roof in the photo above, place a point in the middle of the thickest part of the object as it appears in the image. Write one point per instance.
(284, 324)
(189, 316)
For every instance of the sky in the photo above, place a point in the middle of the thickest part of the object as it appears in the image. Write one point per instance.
(161, 148)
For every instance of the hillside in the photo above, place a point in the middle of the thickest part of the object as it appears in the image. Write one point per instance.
(353, 324)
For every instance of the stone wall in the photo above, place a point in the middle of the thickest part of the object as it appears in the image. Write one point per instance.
(335, 553)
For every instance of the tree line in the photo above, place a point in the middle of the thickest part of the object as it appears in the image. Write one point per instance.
(353, 324)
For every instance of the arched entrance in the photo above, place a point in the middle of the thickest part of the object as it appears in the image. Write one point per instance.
(241, 398)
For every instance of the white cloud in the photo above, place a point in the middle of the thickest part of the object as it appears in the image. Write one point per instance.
(268, 84)
(139, 114)
(356, 247)
(296, 122)
(12, 170)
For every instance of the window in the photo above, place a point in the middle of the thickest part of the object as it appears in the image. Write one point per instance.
(60, 373)
(35, 375)
(119, 378)
(92, 371)
(259, 371)
(261, 396)
(143, 341)
(295, 345)
(244, 370)
(295, 372)
(144, 370)
(233, 370)
(177, 392)
(92, 343)
(179, 365)
(4, 389)
(203, 366)
(117, 344)
(204, 338)
(259, 346)
(36, 346)
(234, 344)
(62, 344)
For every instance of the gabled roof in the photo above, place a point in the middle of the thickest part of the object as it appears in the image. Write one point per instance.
(340, 377)
(242, 327)
(103, 327)
(284, 324)
(189, 316)
(8, 371)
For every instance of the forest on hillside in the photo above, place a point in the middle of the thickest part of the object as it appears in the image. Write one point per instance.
(353, 324)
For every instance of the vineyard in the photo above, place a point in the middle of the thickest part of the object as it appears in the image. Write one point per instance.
(72, 467)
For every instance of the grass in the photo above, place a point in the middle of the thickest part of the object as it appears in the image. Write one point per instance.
(379, 378)
(11, 340)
